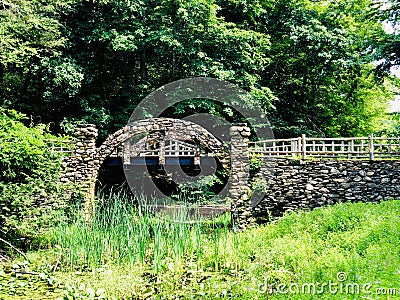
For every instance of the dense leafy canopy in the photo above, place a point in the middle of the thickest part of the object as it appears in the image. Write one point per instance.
(310, 65)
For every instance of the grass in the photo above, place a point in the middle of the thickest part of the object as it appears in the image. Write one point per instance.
(124, 234)
(128, 253)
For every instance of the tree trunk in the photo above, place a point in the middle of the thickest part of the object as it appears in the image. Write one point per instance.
(143, 67)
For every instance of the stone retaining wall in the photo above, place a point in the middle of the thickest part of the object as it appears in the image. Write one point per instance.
(82, 165)
(291, 185)
(239, 190)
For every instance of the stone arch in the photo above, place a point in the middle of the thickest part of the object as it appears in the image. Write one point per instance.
(173, 128)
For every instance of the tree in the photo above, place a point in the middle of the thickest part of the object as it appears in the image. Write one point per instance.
(305, 62)
(322, 52)
(29, 32)
(388, 53)
(128, 49)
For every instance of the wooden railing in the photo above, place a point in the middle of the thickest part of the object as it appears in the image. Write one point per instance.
(173, 148)
(342, 148)
(65, 147)
(302, 147)
(169, 148)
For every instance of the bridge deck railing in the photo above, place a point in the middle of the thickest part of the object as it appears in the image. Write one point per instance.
(341, 148)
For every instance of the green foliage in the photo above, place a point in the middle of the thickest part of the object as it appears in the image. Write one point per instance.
(31, 196)
(61, 76)
(322, 56)
(255, 162)
(23, 149)
(206, 260)
(393, 126)
(17, 280)
(122, 233)
(309, 64)
(30, 32)
(29, 29)
(82, 293)
(388, 50)
(199, 191)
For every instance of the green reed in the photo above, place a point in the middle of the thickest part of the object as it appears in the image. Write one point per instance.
(125, 230)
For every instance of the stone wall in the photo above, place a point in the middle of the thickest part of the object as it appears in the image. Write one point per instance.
(171, 128)
(239, 190)
(81, 165)
(291, 185)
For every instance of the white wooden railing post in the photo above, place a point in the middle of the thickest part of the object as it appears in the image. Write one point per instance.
(298, 147)
(348, 149)
(161, 153)
(357, 147)
(303, 147)
(293, 147)
(371, 147)
(197, 159)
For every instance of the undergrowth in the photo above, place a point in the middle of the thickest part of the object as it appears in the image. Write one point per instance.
(128, 254)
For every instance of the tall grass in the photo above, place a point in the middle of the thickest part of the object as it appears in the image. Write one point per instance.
(126, 231)
(176, 257)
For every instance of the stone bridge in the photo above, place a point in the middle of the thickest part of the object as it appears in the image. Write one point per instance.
(83, 165)
(276, 185)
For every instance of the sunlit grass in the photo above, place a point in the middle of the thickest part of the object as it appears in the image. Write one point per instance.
(133, 254)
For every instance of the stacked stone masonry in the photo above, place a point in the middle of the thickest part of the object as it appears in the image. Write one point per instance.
(292, 185)
(239, 190)
(83, 165)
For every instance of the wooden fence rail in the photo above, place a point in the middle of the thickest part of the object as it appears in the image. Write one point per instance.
(302, 147)
(345, 148)
(66, 147)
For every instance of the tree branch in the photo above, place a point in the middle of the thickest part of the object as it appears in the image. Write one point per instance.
(13, 247)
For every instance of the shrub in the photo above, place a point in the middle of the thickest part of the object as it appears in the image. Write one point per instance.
(32, 198)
